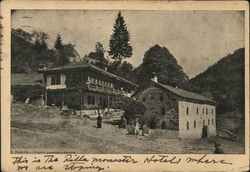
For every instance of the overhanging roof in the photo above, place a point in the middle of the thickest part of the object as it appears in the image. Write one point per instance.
(83, 65)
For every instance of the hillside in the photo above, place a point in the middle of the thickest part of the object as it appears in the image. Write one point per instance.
(224, 82)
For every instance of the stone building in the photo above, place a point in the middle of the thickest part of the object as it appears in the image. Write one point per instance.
(185, 113)
(84, 85)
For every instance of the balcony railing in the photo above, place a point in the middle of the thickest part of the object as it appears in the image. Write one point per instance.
(106, 89)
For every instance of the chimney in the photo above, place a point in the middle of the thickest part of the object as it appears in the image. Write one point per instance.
(155, 79)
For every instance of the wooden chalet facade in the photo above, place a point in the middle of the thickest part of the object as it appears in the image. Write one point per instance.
(84, 85)
(186, 114)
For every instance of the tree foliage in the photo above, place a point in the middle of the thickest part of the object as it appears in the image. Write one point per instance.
(98, 54)
(30, 50)
(119, 44)
(224, 82)
(58, 43)
(160, 61)
(131, 107)
(122, 69)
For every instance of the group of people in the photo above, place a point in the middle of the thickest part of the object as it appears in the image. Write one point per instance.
(135, 129)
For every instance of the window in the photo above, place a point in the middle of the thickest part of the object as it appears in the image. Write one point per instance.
(144, 99)
(194, 124)
(187, 110)
(162, 111)
(206, 111)
(93, 100)
(89, 100)
(208, 122)
(203, 110)
(55, 79)
(213, 121)
(203, 122)
(187, 125)
(212, 111)
(100, 101)
(197, 111)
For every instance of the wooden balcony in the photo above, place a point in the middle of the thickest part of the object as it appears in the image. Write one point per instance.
(105, 89)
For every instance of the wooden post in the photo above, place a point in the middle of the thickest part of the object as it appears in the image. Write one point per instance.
(62, 97)
(81, 100)
(45, 97)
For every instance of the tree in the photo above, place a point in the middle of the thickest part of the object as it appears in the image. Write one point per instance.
(63, 51)
(21, 51)
(160, 61)
(119, 42)
(98, 54)
(124, 69)
(58, 43)
(131, 107)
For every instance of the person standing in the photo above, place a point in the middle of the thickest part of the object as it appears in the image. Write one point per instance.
(99, 121)
(218, 149)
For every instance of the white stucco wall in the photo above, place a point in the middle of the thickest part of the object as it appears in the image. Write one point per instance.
(60, 86)
(193, 116)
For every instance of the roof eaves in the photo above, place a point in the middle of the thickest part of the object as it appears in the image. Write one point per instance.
(197, 99)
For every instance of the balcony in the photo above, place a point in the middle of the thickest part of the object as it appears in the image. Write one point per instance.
(105, 89)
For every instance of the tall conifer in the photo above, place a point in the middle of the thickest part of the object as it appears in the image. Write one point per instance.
(119, 44)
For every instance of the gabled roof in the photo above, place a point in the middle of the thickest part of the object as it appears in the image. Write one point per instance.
(83, 65)
(181, 93)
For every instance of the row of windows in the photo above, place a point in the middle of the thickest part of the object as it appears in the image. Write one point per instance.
(97, 81)
(102, 101)
(204, 123)
(204, 111)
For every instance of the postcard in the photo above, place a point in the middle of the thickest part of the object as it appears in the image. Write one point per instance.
(124, 86)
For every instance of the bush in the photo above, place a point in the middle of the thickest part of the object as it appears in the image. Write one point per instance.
(132, 108)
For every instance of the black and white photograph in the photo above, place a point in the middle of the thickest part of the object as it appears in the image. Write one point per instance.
(127, 81)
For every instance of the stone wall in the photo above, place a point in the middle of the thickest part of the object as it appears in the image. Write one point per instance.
(162, 105)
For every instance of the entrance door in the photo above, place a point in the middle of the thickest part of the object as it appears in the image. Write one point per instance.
(204, 132)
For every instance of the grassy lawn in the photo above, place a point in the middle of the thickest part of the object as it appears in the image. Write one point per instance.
(40, 130)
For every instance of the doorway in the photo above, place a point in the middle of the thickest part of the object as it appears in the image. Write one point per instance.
(204, 132)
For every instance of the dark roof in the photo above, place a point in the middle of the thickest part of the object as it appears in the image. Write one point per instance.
(26, 79)
(90, 66)
(186, 94)
(183, 93)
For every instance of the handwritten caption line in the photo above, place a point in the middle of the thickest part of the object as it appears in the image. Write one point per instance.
(81, 162)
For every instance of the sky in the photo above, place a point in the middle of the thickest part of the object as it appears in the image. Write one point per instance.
(197, 39)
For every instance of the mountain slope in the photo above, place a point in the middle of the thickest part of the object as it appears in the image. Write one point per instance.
(224, 82)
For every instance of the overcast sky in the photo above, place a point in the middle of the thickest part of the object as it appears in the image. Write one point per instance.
(197, 39)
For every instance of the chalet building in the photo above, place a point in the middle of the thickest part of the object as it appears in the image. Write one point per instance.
(187, 114)
(84, 85)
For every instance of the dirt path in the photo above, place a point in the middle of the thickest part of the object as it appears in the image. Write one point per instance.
(37, 132)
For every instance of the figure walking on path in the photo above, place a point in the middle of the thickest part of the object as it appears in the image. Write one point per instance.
(99, 121)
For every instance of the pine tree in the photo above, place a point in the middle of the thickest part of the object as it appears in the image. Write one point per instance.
(58, 43)
(119, 42)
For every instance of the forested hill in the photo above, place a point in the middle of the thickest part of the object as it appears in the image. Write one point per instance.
(224, 82)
